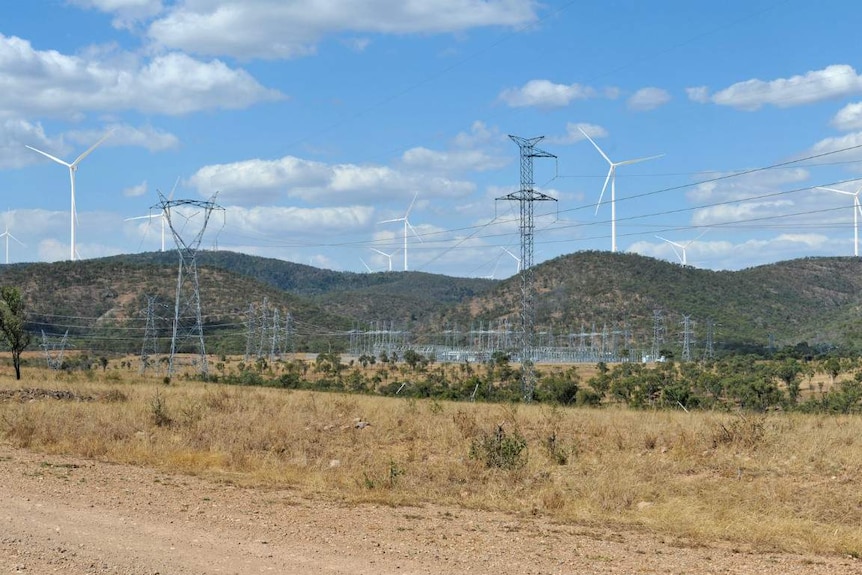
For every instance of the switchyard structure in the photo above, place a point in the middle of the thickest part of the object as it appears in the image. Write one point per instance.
(526, 196)
(187, 322)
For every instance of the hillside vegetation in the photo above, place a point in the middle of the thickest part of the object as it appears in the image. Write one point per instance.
(814, 301)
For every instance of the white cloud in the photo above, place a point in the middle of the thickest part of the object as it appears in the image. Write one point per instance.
(745, 186)
(279, 29)
(126, 12)
(648, 99)
(849, 117)
(46, 82)
(452, 161)
(545, 94)
(147, 137)
(267, 181)
(136, 191)
(14, 134)
(851, 142)
(479, 134)
(279, 221)
(574, 134)
(699, 94)
(738, 212)
(814, 86)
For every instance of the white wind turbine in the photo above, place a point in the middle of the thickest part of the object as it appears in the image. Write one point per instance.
(73, 167)
(857, 209)
(516, 258)
(681, 255)
(6, 235)
(161, 215)
(387, 256)
(612, 177)
(406, 226)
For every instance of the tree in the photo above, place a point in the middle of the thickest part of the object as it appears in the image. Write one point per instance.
(12, 324)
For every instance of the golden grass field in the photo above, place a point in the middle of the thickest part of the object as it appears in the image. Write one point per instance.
(780, 481)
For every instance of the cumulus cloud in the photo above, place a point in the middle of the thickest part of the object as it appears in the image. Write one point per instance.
(126, 12)
(545, 94)
(267, 181)
(452, 161)
(648, 99)
(48, 83)
(574, 134)
(136, 191)
(15, 133)
(847, 148)
(833, 81)
(280, 220)
(276, 29)
(147, 137)
(849, 117)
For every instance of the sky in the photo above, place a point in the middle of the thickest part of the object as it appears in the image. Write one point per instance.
(311, 127)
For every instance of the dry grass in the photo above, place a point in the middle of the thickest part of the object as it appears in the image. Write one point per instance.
(779, 482)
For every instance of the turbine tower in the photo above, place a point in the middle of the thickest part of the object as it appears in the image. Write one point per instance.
(6, 235)
(73, 167)
(525, 197)
(612, 177)
(514, 257)
(160, 215)
(188, 323)
(387, 256)
(857, 209)
(406, 226)
(681, 254)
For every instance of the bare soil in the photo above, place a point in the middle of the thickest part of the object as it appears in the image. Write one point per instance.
(70, 515)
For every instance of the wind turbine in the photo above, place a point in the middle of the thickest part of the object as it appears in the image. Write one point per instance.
(406, 226)
(612, 177)
(516, 258)
(73, 167)
(674, 245)
(388, 256)
(857, 209)
(7, 235)
(161, 215)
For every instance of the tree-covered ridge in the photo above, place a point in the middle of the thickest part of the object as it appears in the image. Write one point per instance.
(814, 300)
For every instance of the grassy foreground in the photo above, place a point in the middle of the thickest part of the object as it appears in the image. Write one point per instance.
(787, 482)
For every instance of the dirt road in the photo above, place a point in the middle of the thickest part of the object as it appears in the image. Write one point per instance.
(65, 515)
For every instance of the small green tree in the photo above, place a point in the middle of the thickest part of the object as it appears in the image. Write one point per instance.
(12, 324)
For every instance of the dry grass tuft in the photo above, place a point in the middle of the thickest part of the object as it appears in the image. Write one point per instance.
(769, 482)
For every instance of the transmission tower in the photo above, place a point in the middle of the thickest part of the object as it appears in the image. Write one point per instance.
(709, 349)
(525, 197)
(150, 346)
(687, 337)
(54, 351)
(251, 329)
(657, 334)
(188, 324)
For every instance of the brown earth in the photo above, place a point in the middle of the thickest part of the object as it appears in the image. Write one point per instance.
(68, 515)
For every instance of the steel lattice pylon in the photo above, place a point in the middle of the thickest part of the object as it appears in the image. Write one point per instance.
(525, 198)
(188, 323)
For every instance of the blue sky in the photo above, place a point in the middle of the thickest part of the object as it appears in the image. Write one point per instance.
(316, 120)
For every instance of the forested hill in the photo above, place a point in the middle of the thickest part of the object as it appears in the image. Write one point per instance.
(814, 300)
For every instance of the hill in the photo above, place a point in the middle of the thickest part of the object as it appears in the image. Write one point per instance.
(813, 300)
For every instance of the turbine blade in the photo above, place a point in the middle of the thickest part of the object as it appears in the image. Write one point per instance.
(393, 220)
(607, 179)
(170, 197)
(49, 156)
(413, 201)
(142, 217)
(837, 191)
(412, 229)
(638, 160)
(595, 145)
(93, 147)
